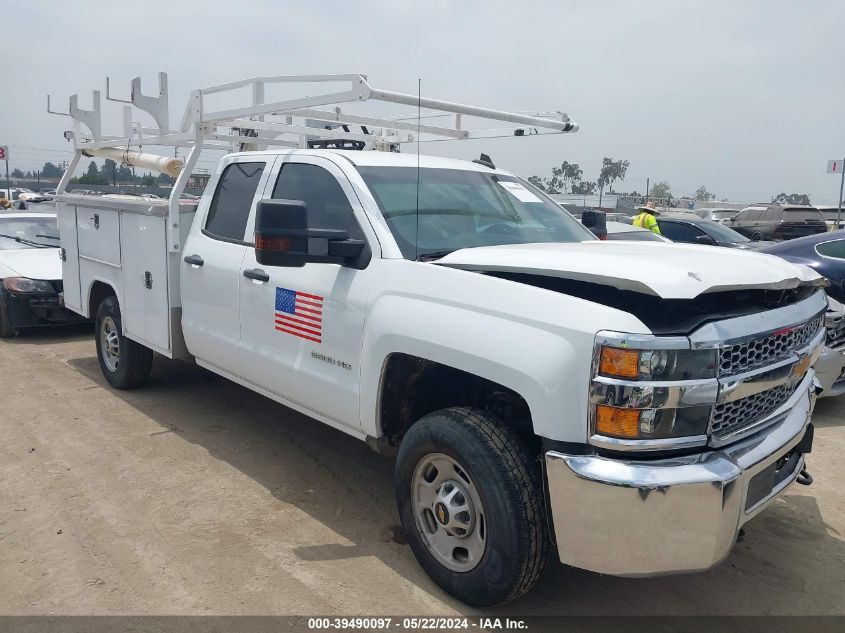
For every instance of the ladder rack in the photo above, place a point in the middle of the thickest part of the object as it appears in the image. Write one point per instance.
(314, 119)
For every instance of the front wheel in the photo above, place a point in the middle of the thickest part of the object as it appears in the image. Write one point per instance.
(124, 363)
(756, 236)
(471, 505)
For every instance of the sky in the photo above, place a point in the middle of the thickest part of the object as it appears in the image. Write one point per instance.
(746, 98)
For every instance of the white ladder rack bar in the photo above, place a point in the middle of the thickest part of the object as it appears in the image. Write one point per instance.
(229, 129)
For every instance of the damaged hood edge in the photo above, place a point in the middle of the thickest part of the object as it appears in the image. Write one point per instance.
(668, 271)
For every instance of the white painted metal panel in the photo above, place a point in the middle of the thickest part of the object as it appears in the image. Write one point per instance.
(99, 234)
(145, 310)
(70, 263)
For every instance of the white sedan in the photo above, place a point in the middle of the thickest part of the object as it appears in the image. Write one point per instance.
(30, 273)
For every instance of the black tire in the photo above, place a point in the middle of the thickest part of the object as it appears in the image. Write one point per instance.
(134, 360)
(6, 329)
(756, 236)
(507, 478)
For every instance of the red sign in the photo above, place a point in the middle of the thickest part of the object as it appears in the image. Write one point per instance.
(4, 152)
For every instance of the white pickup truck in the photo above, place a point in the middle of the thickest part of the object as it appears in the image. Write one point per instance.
(631, 405)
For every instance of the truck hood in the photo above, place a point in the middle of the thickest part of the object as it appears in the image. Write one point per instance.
(668, 271)
(35, 263)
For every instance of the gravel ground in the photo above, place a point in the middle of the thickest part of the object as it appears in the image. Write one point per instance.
(196, 496)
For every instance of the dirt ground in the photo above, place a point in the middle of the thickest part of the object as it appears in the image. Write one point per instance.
(196, 496)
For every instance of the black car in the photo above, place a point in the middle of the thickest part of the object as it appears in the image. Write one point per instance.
(691, 229)
(778, 222)
(825, 253)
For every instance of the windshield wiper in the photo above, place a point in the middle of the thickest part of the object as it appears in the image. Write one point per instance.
(22, 240)
(49, 237)
(432, 255)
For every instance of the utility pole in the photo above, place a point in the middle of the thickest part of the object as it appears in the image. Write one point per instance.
(647, 183)
(838, 211)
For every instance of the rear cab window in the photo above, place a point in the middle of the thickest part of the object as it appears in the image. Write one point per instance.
(229, 210)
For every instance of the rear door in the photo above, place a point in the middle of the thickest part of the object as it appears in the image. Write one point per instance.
(211, 266)
(302, 328)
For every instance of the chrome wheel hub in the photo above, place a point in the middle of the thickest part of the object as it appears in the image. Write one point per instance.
(110, 343)
(448, 512)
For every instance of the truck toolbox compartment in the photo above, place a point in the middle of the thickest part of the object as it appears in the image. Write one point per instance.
(98, 233)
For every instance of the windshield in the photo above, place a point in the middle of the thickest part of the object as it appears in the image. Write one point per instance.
(16, 233)
(722, 233)
(462, 209)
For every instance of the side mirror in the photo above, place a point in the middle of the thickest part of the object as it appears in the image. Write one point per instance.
(282, 238)
(705, 239)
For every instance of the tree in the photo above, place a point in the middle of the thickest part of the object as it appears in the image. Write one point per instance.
(93, 170)
(164, 179)
(537, 182)
(109, 171)
(51, 171)
(611, 171)
(792, 198)
(703, 195)
(17, 173)
(661, 190)
(148, 180)
(584, 187)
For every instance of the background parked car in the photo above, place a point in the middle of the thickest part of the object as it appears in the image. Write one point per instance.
(825, 253)
(778, 222)
(716, 214)
(691, 229)
(30, 273)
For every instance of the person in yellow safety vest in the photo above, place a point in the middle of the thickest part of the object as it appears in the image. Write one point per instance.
(645, 219)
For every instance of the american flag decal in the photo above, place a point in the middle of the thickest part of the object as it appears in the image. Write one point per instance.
(300, 314)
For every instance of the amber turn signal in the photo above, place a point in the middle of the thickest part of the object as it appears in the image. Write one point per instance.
(624, 363)
(616, 422)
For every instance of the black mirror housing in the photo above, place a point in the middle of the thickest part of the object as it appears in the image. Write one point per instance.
(282, 238)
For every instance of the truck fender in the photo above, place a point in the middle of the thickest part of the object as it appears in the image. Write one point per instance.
(481, 344)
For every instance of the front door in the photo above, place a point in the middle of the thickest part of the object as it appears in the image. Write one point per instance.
(302, 328)
(211, 265)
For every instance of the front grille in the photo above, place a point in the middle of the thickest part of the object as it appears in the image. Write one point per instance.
(739, 414)
(735, 359)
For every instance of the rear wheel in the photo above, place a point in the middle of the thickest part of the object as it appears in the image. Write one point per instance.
(756, 236)
(124, 363)
(471, 505)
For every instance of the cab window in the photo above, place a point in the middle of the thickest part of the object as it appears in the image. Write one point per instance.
(229, 210)
(327, 204)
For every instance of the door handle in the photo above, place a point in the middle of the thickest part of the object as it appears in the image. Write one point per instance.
(257, 274)
(195, 260)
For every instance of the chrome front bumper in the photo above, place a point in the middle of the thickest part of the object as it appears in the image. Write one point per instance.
(641, 518)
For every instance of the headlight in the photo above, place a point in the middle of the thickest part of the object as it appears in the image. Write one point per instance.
(660, 364)
(23, 284)
(650, 393)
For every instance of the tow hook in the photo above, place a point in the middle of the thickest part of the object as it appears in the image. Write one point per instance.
(804, 478)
